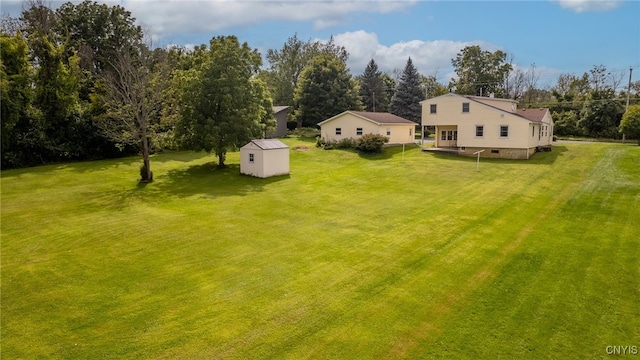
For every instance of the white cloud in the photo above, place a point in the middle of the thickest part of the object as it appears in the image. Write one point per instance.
(175, 16)
(166, 17)
(431, 58)
(580, 6)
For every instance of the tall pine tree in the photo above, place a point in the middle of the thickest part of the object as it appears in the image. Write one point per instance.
(406, 102)
(372, 89)
(325, 89)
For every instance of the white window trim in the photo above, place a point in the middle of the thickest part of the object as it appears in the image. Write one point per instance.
(500, 132)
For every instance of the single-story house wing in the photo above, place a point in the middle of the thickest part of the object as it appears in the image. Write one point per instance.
(468, 124)
(264, 158)
(353, 124)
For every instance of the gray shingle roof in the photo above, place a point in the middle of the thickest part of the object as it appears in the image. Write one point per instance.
(382, 117)
(277, 109)
(269, 144)
(535, 115)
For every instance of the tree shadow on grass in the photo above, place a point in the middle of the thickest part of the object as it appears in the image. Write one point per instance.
(387, 152)
(208, 180)
(539, 158)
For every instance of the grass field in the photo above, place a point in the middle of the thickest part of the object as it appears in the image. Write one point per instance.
(392, 256)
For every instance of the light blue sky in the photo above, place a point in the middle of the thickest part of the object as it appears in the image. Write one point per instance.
(565, 36)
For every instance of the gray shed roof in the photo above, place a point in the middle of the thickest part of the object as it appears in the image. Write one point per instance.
(378, 118)
(277, 109)
(269, 144)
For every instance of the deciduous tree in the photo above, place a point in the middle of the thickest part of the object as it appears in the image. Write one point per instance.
(630, 124)
(16, 76)
(223, 103)
(286, 65)
(601, 114)
(132, 96)
(480, 72)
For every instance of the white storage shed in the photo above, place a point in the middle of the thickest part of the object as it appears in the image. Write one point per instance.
(264, 158)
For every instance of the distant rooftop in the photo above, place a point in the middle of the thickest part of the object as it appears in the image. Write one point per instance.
(382, 117)
(269, 144)
(277, 109)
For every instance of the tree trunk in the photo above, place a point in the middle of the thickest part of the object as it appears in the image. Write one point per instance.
(146, 174)
(221, 158)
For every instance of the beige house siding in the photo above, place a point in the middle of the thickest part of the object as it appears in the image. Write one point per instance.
(349, 124)
(523, 136)
(264, 162)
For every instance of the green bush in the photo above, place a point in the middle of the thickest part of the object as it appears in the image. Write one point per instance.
(306, 132)
(371, 143)
(292, 125)
(346, 143)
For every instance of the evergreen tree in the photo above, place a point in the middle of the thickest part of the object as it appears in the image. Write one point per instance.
(286, 65)
(409, 93)
(372, 89)
(325, 90)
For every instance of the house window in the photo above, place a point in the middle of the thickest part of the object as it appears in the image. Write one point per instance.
(338, 131)
(533, 131)
(433, 108)
(464, 148)
(504, 131)
(251, 158)
(410, 132)
(455, 135)
(449, 135)
(359, 131)
(479, 130)
(388, 132)
(494, 151)
(465, 107)
(444, 135)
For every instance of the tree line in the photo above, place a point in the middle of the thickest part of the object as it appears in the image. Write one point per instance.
(80, 83)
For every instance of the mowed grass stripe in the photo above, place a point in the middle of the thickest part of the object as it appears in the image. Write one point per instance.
(556, 294)
(347, 257)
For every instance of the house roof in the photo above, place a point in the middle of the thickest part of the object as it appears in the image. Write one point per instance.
(269, 144)
(535, 115)
(480, 98)
(277, 109)
(379, 118)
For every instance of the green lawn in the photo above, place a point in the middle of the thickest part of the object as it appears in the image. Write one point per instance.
(348, 257)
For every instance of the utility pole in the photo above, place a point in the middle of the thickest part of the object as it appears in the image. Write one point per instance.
(374, 101)
(628, 95)
(629, 88)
